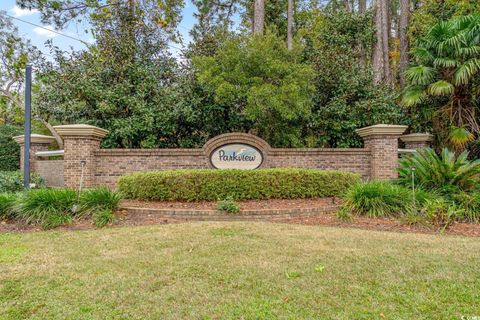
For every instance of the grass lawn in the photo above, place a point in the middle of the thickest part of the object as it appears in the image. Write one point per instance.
(237, 271)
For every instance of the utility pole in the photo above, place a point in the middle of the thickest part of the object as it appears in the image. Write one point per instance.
(27, 126)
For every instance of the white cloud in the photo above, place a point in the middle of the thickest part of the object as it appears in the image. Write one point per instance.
(45, 33)
(19, 12)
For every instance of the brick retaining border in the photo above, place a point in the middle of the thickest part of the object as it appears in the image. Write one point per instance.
(215, 215)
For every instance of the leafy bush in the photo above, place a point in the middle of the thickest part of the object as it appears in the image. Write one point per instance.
(228, 205)
(48, 207)
(440, 213)
(445, 173)
(210, 185)
(382, 199)
(470, 203)
(9, 149)
(7, 202)
(12, 181)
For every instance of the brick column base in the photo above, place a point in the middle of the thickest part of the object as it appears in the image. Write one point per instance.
(80, 143)
(382, 140)
(417, 140)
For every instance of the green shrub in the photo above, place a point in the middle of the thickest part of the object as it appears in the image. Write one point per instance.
(103, 217)
(48, 207)
(210, 185)
(440, 213)
(12, 181)
(445, 173)
(7, 202)
(9, 149)
(98, 199)
(228, 205)
(470, 203)
(382, 199)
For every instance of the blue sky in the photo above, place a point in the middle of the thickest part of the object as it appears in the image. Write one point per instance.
(39, 36)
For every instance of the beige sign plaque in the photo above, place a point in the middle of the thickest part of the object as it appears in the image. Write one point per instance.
(236, 156)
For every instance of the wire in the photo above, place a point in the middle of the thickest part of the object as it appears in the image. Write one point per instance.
(50, 30)
(65, 35)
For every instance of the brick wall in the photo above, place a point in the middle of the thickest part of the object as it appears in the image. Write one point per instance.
(378, 160)
(353, 160)
(51, 171)
(110, 164)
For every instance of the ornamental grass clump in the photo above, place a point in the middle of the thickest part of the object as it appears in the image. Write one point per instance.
(54, 207)
(99, 203)
(48, 207)
(7, 203)
(382, 199)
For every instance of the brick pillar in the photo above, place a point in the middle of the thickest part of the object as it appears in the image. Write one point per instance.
(417, 140)
(38, 142)
(382, 140)
(80, 142)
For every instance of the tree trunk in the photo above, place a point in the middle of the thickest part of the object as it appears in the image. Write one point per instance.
(290, 25)
(362, 6)
(377, 59)
(385, 39)
(53, 132)
(20, 104)
(403, 26)
(258, 16)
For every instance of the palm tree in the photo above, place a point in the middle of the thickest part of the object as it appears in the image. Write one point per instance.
(447, 62)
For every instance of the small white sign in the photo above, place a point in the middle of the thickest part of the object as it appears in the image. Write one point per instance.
(236, 156)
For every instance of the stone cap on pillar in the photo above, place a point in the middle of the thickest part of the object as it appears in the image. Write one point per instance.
(381, 130)
(417, 137)
(81, 130)
(35, 139)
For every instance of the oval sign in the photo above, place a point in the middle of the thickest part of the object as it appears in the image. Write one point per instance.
(236, 156)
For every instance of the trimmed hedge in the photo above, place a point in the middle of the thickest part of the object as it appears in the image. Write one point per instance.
(211, 185)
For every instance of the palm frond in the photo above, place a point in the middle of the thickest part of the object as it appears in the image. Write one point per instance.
(413, 95)
(445, 62)
(420, 75)
(441, 88)
(466, 71)
(459, 137)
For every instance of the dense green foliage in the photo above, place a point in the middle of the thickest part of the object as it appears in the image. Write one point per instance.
(9, 149)
(211, 185)
(259, 78)
(53, 207)
(12, 181)
(345, 97)
(446, 172)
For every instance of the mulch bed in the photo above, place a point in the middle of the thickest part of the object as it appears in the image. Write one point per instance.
(379, 224)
